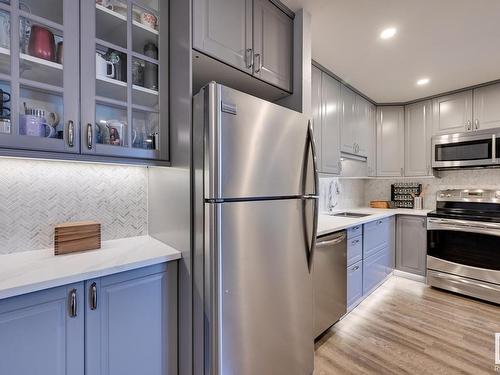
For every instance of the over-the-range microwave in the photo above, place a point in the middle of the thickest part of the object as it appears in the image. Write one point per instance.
(467, 150)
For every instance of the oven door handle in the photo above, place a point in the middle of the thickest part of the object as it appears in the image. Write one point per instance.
(492, 229)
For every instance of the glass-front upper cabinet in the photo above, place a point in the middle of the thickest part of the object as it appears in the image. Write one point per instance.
(39, 75)
(124, 87)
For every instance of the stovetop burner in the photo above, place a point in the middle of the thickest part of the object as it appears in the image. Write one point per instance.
(468, 204)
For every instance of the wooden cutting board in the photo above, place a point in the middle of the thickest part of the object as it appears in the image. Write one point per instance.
(77, 236)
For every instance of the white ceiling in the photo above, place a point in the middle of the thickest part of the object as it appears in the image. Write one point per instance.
(455, 43)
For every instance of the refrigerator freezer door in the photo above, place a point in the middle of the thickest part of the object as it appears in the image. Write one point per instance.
(262, 308)
(253, 148)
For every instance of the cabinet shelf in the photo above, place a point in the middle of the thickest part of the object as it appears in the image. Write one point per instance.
(144, 97)
(111, 88)
(40, 70)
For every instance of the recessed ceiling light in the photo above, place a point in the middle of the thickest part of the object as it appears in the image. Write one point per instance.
(423, 81)
(388, 33)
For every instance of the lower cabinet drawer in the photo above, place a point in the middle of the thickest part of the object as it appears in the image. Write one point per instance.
(354, 283)
(376, 236)
(375, 269)
(354, 250)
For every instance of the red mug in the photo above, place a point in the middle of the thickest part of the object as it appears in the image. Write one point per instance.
(42, 43)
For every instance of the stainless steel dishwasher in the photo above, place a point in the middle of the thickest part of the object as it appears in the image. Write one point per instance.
(329, 280)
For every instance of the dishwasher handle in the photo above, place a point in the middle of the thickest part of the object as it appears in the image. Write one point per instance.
(342, 237)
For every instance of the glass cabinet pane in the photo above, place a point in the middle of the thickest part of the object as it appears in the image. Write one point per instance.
(40, 114)
(4, 42)
(123, 101)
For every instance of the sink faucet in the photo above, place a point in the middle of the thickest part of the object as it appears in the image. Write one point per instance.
(330, 204)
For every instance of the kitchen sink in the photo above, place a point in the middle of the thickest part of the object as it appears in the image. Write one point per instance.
(349, 214)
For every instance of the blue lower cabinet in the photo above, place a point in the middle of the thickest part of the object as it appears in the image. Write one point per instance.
(127, 323)
(354, 283)
(43, 332)
(375, 269)
(122, 324)
(377, 236)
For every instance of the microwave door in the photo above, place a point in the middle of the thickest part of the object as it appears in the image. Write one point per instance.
(463, 150)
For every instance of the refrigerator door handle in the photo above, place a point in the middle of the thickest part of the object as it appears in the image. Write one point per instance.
(312, 244)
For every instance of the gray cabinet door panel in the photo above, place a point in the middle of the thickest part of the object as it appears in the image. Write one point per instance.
(377, 235)
(375, 269)
(273, 44)
(354, 250)
(411, 244)
(223, 29)
(453, 113)
(418, 133)
(37, 335)
(317, 112)
(390, 141)
(127, 332)
(348, 119)
(330, 125)
(487, 107)
(354, 283)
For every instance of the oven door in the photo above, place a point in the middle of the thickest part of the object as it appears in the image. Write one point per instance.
(466, 248)
(464, 150)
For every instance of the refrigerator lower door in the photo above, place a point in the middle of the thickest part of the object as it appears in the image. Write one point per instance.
(260, 288)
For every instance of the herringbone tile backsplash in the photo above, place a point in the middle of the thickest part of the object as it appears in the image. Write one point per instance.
(35, 195)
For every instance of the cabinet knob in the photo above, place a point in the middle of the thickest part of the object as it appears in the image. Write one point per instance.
(72, 303)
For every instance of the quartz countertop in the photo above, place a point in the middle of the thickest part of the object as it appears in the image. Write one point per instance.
(329, 224)
(31, 271)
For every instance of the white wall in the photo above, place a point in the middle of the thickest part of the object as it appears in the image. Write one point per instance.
(35, 195)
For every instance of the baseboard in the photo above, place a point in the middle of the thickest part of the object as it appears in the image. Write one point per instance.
(410, 276)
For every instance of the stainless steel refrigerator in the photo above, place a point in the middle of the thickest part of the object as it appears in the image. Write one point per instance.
(255, 218)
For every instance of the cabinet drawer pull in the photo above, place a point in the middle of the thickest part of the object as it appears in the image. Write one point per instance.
(89, 136)
(72, 303)
(356, 228)
(355, 268)
(476, 123)
(71, 133)
(93, 296)
(355, 242)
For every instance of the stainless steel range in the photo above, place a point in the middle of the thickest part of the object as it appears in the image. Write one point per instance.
(463, 243)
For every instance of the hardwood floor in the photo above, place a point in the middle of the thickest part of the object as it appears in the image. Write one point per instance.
(405, 327)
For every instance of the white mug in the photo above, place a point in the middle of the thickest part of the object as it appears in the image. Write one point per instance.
(101, 66)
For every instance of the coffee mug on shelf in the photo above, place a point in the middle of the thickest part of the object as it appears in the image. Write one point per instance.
(103, 67)
(42, 43)
(35, 126)
(117, 132)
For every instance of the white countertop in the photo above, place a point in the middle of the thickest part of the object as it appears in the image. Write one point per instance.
(31, 271)
(328, 224)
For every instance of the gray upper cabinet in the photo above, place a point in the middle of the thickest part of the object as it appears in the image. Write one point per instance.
(254, 36)
(40, 95)
(390, 141)
(223, 29)
(330, 125)
(124, 86)
(272, 44)
(126, 328)
(371, 135)
(418, 133)
(348, 119)
(43, 332)
(487, 107)
(362, 130)
(453, 113)
(326, 121)
(411, 244)
(317, 111)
